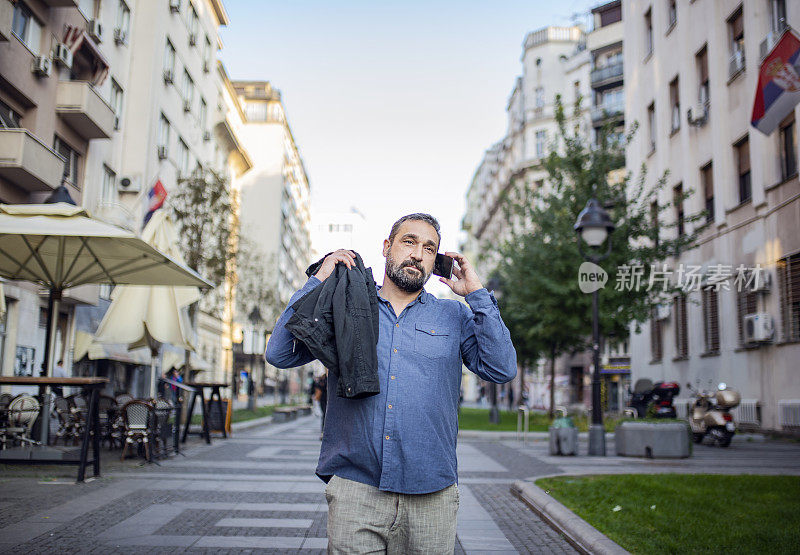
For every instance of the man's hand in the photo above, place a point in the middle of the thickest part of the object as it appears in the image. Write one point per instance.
(466, 280)
(346, 257)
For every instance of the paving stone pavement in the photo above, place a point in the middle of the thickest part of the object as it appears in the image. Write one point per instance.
(257, 492)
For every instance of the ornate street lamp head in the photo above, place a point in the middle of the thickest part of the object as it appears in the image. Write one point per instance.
(594, 224)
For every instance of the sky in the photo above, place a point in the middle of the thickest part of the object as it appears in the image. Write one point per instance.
(391, 104)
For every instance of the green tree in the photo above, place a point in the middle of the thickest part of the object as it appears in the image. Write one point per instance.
(544, 309)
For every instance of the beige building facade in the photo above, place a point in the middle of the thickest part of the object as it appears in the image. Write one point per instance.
(691, 71)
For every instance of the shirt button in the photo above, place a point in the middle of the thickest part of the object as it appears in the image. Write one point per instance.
(387, 437)
(392, 377)
(395, 350)
(397, 325)
(433, 331)
(390, 406)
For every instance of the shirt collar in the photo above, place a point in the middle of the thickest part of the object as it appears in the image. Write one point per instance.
(422, 297)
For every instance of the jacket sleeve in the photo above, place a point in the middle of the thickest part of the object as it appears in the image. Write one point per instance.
(283, 350)
(486, 347)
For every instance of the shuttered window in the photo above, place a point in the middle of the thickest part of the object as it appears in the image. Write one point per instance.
(746, 303)
(710, 299)
(743, 161)
(656, 345)
(708, 190)
(789, 284)
(681, 335)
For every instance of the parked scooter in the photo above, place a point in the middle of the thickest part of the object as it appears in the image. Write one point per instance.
(659, 396)
(710, 414)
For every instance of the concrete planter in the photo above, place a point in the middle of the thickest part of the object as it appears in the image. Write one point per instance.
(669, 440)
(563, 441)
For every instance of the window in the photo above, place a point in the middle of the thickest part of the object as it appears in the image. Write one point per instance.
(541, 143)
(26, 27)
(701, 61)
(123, 17)
(163, 131)
(707, 179)
(610, 16)
(710, 301)
(256, 111)
(109, 191)
(778, 15)
(789, 284)
(788, 147)
(169, 59)
(743, 160)
(187, 89)
(88, 7)
(194, 23)
(654, 222)
(656, 344)
(648, 36)
(183, 158)
(577, 87)
(203, 114)
(746, 303)
(651, 125)
(9, 119)
(207, 55)
(539, 97)
(672, 13)
(681, 335)
(675, 105)
(677, 199)
(116, 102)
(71, 158)
(736, 34)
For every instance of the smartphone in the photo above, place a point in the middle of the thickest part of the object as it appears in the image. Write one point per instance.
(443, 266)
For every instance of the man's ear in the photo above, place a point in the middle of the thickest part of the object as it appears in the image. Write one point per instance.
(386, 245)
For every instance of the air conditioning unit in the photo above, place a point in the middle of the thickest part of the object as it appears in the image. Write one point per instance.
(41, 66)
(192, 39)
(162, 152)
(662, 311)
(697, 115)
(174, 6)
(207, 136)
(120, 36)
(761, 283)
(62, 55)
(187, 105)
(758, 327)
(130, 184)
(95, 30)
(736, 63)
(168, 77)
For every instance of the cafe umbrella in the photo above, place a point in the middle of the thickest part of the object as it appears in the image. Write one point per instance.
(59, 246)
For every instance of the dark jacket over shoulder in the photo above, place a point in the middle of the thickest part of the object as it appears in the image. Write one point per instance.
(338, 323)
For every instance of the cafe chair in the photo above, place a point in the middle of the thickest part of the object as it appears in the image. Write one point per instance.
(69, 426)
(22, 413)
(139, 419)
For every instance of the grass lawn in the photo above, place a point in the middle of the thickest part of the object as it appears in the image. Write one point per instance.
(478, 419)
(676, 513)
(240, 415)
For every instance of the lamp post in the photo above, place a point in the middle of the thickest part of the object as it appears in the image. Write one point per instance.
(494, 412)
(256, 320)
(594, 226)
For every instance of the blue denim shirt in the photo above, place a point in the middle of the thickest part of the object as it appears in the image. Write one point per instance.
(404, 439)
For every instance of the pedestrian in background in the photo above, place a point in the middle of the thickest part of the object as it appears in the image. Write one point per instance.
(389, 459)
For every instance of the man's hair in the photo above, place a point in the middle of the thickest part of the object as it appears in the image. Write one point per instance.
(420, 217)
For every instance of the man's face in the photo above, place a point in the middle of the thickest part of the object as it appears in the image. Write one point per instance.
(410, 257)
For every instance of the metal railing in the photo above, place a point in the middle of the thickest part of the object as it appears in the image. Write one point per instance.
(789, 413)
(605, 73)
(747, 412)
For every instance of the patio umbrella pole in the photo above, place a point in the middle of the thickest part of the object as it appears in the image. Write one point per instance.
(53, 300)
(153, 377)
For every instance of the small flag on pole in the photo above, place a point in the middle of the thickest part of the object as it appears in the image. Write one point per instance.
(155, 199)
(778, 89)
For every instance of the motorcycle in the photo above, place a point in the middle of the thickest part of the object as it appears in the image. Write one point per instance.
(659, 396)
(710, 414)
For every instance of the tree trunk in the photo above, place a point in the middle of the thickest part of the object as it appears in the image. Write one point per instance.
(552, 381)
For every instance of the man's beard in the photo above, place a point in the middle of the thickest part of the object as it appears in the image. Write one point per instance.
(410, 283)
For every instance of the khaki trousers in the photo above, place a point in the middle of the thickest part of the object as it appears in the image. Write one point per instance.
(364, 519)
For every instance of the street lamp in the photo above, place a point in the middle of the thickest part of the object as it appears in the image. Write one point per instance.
(256, 320)
(494, 412)
(594, 226)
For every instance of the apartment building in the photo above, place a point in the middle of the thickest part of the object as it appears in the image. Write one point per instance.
(691, 71)
(274, 215)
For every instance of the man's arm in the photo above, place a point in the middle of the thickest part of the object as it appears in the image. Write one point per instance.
(283, 350)
(486, 346)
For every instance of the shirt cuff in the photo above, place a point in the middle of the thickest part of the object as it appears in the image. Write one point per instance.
(481, 299)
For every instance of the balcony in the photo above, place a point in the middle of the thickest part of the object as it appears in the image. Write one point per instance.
(608, 74)
(82, 108)
(27, 162)
(6, 16)
(61, 3)
(607, 111)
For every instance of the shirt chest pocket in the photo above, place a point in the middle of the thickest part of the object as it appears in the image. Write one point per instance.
(432, 340)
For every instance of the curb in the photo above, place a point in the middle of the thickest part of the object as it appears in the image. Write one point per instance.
(580, 534)
(583, 436)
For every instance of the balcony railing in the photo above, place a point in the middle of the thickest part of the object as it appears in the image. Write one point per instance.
(608, 110)
(27, 162)
(770, 40)
(6, 17)
(80, 105)
(606, 73)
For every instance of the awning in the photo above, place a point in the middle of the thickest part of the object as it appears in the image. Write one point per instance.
(2, 302)
(175, 359)
(76, 38)
(86, 346)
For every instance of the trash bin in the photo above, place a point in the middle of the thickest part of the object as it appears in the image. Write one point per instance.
(563, 437)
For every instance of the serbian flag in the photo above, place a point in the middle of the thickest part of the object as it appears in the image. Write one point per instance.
(778, 89)
(155, 199)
